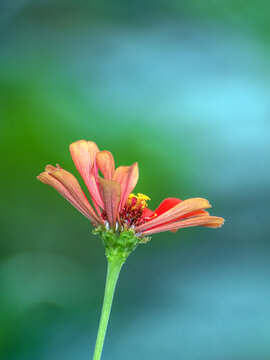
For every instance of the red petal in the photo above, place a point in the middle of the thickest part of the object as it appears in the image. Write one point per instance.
(110, 192)
(105, 163)
(166, 205)
(127, 177)
(147, 213)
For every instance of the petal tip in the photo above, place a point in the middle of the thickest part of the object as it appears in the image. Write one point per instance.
(215, 222)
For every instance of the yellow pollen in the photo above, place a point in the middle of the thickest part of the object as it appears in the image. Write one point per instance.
(141, 200)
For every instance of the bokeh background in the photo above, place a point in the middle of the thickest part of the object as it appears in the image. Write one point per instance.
(183, 88)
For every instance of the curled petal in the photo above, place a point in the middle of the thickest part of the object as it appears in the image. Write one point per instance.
(83, 154)
(189, 215)
(67, 185)
(93, 146)
(51, 168)
(127, 177)
(208, 221)
(183, 208)
(110, 192)
(193, 213)
(105, 163)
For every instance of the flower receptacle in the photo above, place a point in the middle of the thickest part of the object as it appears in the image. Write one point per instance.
(118, 246)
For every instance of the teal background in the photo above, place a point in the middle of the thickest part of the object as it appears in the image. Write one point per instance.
(183, 88)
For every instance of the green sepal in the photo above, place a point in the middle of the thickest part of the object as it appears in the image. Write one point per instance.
(118, 245)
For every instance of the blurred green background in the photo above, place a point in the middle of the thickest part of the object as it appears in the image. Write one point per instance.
(183, 88)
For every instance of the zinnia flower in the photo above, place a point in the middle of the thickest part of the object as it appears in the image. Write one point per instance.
(115, 207)
(121, 218)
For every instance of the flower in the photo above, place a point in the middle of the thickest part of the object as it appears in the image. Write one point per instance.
(121, 218)
(115, 208)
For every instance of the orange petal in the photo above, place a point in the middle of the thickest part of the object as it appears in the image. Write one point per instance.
(95, 150)
(83, 155)
(183, 208)
(105, 163)
(67, 185)
(127, 177)
(110, 192)
(190, 215)
(208, 221)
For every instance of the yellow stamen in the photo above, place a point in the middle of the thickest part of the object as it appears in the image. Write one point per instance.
(141, 200)
(143, 197)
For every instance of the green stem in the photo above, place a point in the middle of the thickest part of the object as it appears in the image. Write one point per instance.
(113, 270)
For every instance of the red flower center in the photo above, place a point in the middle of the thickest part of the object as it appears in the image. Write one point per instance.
(131, 214)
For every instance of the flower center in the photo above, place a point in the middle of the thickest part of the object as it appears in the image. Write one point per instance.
(133, 210)
(131, 214)
(137, 201)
